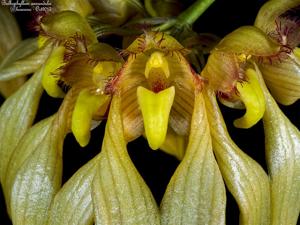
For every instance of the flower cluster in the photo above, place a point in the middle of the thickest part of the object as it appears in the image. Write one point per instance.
(159, 87)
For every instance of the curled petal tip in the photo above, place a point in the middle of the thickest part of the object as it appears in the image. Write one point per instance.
(253, 98)
(155, 109)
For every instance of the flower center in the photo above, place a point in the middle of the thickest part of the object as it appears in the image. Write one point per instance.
(157, 72)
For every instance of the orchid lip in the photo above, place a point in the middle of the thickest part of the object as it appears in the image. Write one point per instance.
(155, 108)
(253, 98)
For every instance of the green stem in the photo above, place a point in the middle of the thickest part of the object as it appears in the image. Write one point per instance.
(189, 16)
(150, 9)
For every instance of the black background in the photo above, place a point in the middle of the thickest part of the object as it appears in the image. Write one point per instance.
(157, 167)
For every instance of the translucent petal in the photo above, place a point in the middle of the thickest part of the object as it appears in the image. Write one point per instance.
(243, 176)
(282, 141)
(196, 192)
(16, 116)
(222, 76)
(38, 179)
(27, 145)
(73, 203)
(120, 196)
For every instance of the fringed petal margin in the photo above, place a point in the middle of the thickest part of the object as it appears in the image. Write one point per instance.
(283, 79)
(245, 179)
(270, 11)
(196, 192)
(120, 196)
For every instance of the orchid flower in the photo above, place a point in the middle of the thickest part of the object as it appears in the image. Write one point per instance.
(250, 54)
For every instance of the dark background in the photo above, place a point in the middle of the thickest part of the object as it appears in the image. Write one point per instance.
(157, 167)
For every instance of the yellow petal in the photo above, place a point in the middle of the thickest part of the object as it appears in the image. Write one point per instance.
(49, 81)
(155, 109)
(253, 98)
(85, 107)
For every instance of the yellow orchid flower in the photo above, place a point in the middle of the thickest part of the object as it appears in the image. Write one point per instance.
(272, 45)
(86, 70)
(149, 85)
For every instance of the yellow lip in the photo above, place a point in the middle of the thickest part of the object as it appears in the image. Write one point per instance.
(253, 98)
(155, 109)
(85, 107)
